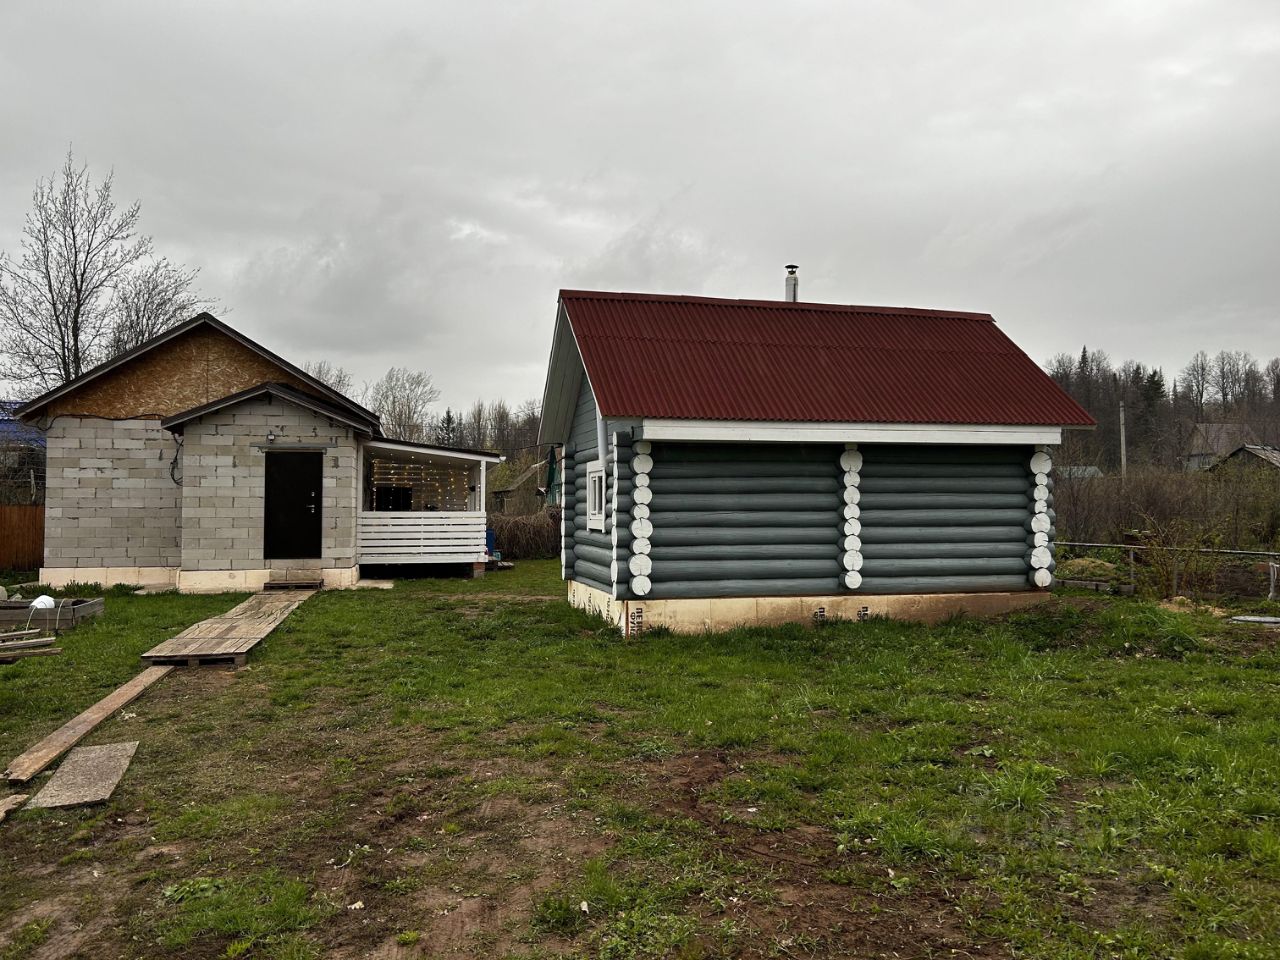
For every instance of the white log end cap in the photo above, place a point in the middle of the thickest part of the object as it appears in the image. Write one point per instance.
(852, 494)
(1039, 539)
(642, 528)
(1041, 492)
(852, 560)
(613, 572)
(1040, 523)
(1042, 479)
(640, 480)
(1041, 558)
(851, 460)
(642, 495)
(852, 527)
(1040, 506)
(851, 478)
(1042, 578)
(641, 463)
(642, 446)
(639, 512)
(1041, 462)
(853, 579)
(640, 565)
(641, 546)
(851, 543)
(640, 586)
(851, 510)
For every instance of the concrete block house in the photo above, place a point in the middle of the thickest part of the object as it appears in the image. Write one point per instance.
(739, 461)
(203, 461)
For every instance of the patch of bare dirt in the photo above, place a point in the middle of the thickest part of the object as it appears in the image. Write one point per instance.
(811, 911)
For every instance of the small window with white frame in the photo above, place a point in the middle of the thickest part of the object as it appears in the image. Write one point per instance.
(595, 495)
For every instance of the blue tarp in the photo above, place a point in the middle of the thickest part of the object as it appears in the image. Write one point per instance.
(14, 432)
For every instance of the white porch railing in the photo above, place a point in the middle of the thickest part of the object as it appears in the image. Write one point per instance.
(453, 536)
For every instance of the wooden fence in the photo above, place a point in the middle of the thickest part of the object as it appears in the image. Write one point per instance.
(21, 537)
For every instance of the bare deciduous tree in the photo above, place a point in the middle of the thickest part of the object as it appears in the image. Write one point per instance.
(82, 288)
(331, 375)
(55, 299)
(403, 399)
(1195, 382)
(150, 300)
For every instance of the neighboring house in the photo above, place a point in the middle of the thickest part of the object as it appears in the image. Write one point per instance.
(204, 461)
(1250, 455)
(1078, 472)
(1210, 442)
(21, 458)
(522, 495)
(730, 461)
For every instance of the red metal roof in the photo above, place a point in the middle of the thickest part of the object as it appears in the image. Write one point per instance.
(710, 359)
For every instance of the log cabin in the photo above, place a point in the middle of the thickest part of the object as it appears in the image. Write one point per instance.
(731, 462)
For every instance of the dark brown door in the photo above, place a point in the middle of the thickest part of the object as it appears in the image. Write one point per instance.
(291, 522)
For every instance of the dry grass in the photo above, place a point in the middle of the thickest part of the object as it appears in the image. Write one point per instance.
(532, 537)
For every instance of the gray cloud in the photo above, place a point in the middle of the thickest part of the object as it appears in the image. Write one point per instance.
(412, 183)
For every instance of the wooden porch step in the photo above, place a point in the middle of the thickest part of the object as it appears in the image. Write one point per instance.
(293, 585)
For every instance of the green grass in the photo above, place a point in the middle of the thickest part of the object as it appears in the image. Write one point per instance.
(41, 693)
(1080, 781)
(11, 578)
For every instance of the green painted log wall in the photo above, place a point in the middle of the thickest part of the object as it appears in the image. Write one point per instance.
(943, 519)
(744, 520)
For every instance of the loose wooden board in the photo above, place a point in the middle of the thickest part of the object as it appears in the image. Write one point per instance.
(11, 803)
(9, 646)
(15, 655)
(88, 775)
(49, 749)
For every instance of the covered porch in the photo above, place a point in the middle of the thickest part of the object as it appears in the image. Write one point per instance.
(421, 504)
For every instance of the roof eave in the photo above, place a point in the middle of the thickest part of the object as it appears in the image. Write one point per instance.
(177, 422)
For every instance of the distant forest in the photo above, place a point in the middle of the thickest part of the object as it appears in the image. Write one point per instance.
(1161, 412)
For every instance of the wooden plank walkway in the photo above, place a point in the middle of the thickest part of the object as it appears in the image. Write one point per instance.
(49, 749)
(230, 637)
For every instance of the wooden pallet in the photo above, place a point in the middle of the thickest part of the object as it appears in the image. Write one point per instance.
(227, 639)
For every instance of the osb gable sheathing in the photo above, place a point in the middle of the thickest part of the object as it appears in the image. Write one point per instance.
(198, 367)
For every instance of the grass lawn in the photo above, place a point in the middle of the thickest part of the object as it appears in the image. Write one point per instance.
(472, 769)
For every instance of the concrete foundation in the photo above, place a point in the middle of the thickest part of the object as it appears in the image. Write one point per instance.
(156, 577)
(632, 617)
(195, 581)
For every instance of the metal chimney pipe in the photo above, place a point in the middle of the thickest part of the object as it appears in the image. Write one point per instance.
(793, 283)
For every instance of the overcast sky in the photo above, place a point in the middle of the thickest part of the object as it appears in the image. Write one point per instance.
(412, 183)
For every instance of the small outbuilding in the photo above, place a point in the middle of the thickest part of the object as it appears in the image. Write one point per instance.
(203, 461)
(1250, 456)
(749, 461)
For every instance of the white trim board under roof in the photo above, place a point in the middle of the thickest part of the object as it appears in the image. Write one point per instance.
(788, 432)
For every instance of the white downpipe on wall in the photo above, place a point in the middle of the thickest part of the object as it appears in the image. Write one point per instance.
(602, 440)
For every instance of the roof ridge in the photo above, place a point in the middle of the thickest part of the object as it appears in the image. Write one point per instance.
(777, 304)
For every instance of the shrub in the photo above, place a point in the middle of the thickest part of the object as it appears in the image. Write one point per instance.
(532, 537)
